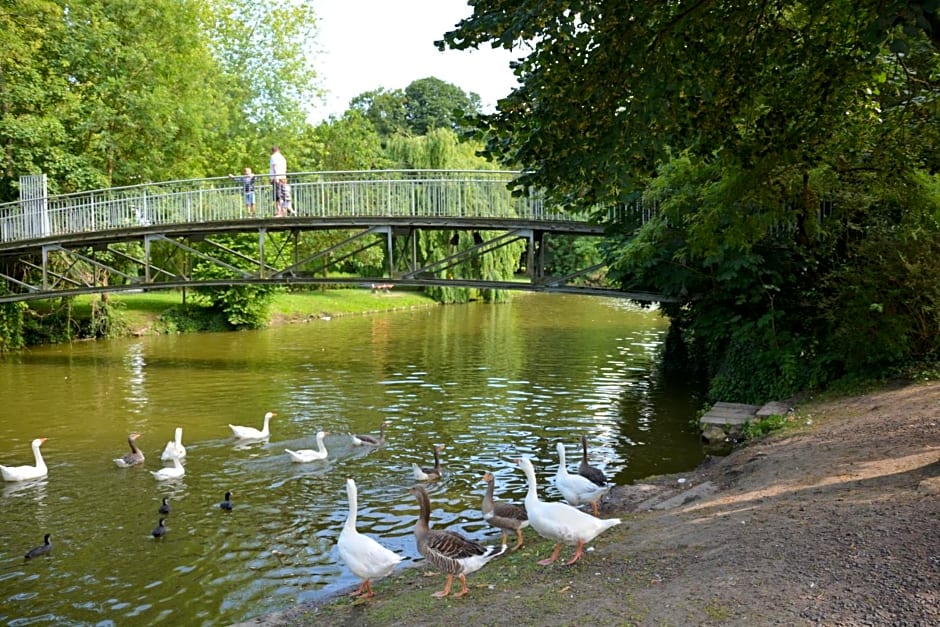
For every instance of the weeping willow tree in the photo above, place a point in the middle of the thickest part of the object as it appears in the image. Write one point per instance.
(440, 149)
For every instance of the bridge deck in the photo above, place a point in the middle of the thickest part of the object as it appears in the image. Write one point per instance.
(72, 240)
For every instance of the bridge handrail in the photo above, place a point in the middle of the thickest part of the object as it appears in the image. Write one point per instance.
(381, 193)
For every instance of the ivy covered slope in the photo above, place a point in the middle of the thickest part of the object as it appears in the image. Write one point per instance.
(792, 149)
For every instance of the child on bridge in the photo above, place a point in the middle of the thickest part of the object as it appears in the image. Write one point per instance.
(247, 180)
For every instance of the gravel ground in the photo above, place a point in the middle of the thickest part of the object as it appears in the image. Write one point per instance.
(834, 521)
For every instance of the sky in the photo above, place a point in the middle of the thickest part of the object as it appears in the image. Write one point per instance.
(367, 44)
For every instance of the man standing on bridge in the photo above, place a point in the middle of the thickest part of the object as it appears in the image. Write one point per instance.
(278, 171)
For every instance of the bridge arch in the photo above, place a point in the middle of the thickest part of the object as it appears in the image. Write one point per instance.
(63, 239)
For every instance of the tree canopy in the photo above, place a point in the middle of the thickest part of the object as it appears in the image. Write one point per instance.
(423, 106)
(610, 88)
(99, 93)
(789, 149)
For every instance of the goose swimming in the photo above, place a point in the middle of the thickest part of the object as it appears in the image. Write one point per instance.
(25, 473)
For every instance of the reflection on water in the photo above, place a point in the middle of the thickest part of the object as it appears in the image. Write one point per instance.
(489, 382)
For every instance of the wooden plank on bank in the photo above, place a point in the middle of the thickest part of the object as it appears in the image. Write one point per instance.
(729, 414)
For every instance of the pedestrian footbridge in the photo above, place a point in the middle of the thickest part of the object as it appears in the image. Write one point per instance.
(149, 236)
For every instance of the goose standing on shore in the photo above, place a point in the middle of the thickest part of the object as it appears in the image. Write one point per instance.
(505, 516)
(174, 447)
(448, 551)
(250, 433)
(309, 454)
(365, 439)
(135, 457)
(595, 474)
(429, 474)
(559, 521)
(576, 489)
(364, 556)
(25, 473)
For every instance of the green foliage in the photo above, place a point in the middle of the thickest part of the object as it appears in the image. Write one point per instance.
(754, 85)
(50, 322)
(100, 93)
(12, 326)
(243, 306)
(566, 255)
(347, 143)
(790, 152)
(384, 109)
(762, 426)
(426, 105)
(191, 319)
(105, 319)
(432, 104)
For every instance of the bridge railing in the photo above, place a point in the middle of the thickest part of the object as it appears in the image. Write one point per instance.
(417, 193)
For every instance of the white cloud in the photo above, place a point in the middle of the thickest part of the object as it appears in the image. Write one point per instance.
(367, 44)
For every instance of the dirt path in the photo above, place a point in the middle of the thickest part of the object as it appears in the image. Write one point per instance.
(834, 522)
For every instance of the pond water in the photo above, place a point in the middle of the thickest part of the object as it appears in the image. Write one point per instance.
(489, 382)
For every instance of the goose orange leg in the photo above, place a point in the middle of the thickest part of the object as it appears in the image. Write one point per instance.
(594, 503)
(367, 594)
(360, 590)
(577, 553)
(440, 594)
(464, 589)
(518, 541)
(551, 558)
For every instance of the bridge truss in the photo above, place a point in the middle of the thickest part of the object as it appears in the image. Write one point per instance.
(153, 236)
(152, 258)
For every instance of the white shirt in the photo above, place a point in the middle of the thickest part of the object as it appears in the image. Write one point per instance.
(278, 165)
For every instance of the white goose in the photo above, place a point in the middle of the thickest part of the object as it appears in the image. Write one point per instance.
(576, 489)
(170, 472)
(25, 473)
(250, 433)
(175, 447)
(309, 454)
(559, 521)
(364, 556)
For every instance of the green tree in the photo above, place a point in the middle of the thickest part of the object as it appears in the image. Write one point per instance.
(425, 105)
(347, 143)
(242, 306)
(264, 50)
(385, 109)
(36, 100)
(142, 75)
(442, 149)
(431, 104)
(790, 151)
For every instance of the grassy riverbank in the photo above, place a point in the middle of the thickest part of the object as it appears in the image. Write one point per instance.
(140, 312)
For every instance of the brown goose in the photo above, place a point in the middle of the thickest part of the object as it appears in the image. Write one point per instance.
(593, 473)
(429, 474)
(505, 516)
(448, 551)
(365, 439)
(133, 458)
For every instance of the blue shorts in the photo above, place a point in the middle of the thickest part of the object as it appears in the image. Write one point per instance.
(249, 198)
